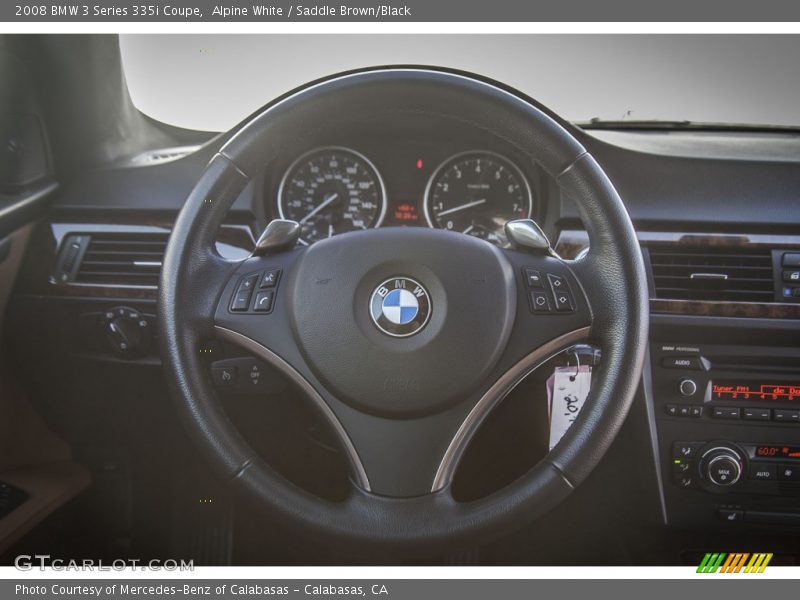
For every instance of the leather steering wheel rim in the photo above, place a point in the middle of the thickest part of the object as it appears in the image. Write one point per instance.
(612, 275)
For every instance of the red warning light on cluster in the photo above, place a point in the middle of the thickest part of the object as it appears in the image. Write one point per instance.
(419, 164)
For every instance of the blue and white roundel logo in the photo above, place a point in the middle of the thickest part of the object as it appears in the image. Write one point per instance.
(400, 307)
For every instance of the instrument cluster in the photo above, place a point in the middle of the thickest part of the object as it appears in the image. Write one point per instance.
(333, 189)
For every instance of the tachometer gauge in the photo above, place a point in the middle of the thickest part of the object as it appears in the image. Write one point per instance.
(332, 190)
(477, 193)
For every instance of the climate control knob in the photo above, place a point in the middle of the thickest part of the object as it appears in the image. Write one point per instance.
(721, 466)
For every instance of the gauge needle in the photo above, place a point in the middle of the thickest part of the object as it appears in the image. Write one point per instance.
(324, 203)
(468, 229)
(462, 207)
(330, 229)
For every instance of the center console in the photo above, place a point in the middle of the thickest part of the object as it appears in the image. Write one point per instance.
(727, 423)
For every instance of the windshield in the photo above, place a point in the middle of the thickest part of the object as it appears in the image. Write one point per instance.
(211, 82)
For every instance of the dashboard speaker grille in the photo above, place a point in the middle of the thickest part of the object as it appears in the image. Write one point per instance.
(731, 274)
(129, 259)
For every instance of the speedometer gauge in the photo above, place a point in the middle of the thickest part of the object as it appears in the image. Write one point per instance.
(332, 190)
(477, 193)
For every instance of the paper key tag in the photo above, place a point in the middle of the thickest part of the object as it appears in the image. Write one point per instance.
(567, 389)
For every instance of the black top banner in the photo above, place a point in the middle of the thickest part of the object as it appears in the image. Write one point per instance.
(398, 11)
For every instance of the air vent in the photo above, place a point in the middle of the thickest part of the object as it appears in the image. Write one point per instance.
(732, 274)
(163, 155)
(132, 259)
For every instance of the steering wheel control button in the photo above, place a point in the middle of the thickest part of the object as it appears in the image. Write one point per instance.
(561, 293)
(241, 300)
(557, 282)
(533, 278)
(726, 412)
(270, 278)
(540, 303)
(400, 307)
(224, 376)
(696, 411)
(264, 301)
(248, 283)
(564, 301)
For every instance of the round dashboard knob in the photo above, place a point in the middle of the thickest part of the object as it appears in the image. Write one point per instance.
(687, 387)
(722, 466)
(127, 332)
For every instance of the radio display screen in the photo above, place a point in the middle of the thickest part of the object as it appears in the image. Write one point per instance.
(777, 451)
(755, 390)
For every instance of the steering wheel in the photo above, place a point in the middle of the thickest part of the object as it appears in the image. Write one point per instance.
(405, 338)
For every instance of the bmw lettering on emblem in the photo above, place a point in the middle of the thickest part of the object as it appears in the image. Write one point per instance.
(400, 307)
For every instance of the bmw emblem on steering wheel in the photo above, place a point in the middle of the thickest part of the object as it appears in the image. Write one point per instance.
(400, 307)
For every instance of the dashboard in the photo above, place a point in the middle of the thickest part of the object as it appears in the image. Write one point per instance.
(716, 423)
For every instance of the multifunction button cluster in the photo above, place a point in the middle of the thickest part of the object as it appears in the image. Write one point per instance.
(790, 264)
(547, 293)
(256, 292)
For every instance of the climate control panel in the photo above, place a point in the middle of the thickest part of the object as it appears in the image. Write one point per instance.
(723, 466)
